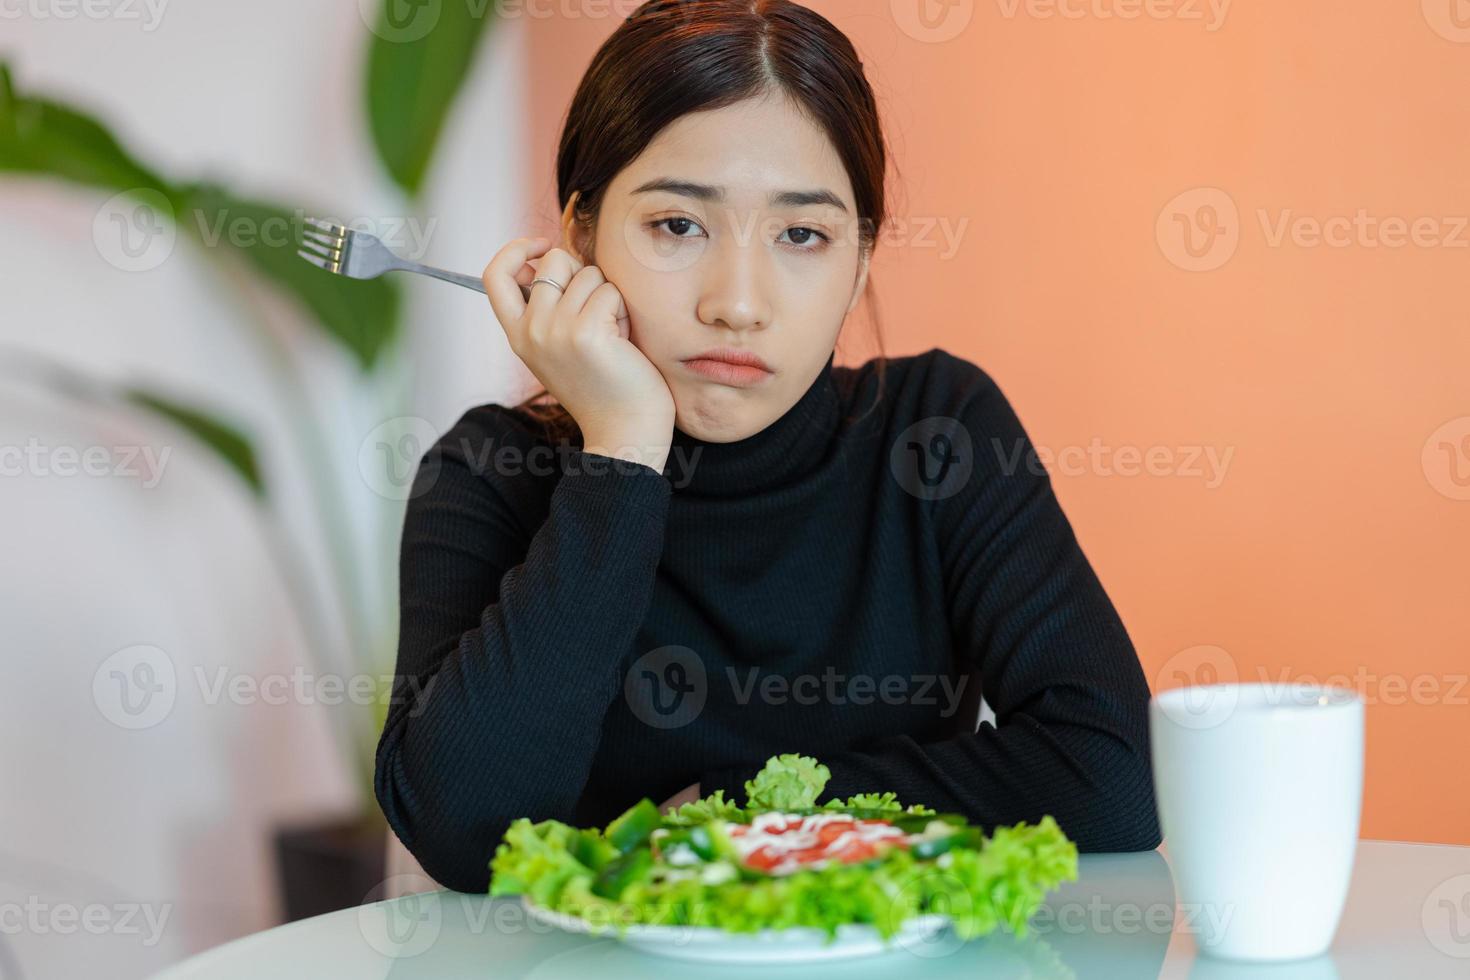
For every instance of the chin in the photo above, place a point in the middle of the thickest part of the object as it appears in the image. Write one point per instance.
(713, 426)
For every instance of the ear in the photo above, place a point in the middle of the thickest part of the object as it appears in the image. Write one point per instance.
(573, 235)
(862, 279)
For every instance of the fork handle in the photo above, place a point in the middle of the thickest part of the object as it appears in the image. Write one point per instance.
(459, 279)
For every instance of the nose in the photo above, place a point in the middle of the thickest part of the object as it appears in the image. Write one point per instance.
(736, 293)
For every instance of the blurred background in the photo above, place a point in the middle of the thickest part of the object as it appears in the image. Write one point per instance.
(1214, 252)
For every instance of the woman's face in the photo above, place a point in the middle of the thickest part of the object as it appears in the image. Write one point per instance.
(735, 228)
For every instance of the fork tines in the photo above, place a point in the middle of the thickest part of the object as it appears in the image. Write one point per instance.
(326, 248)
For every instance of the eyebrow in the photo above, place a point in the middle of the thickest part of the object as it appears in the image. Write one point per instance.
(708, 192)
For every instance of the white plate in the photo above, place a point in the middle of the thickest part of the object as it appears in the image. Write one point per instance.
(711, 945)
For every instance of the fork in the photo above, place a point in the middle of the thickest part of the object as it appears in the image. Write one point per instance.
(362, 255)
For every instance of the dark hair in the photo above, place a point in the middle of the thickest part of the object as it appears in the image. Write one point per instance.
(674, 57)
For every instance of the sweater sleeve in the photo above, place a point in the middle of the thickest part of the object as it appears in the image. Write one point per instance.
(1053, 658)
(508, 649)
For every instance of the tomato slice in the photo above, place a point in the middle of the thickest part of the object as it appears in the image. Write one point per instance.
(829, 832)
(858, 850)
(762, 859)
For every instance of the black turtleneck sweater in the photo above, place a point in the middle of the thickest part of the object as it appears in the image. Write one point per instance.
(579, 631)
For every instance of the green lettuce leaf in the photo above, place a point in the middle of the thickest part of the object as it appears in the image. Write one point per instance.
(876, 801)
(536, 860)
(866, 801)
(787, 782)
(712, 807)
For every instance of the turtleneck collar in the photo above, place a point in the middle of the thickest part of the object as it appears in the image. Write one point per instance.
(781, 453)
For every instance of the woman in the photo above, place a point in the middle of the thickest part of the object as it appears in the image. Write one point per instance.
(685, 565)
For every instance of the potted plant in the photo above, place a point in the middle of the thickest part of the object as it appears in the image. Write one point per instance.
(413, 73)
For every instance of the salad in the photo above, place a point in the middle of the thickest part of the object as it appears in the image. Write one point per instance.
(783, 860)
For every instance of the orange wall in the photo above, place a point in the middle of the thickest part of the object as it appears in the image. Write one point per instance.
(1337, 540)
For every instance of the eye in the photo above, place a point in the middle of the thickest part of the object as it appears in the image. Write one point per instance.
(677, 225)
(805, 235)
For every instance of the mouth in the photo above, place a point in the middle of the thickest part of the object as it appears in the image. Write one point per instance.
(731, 366)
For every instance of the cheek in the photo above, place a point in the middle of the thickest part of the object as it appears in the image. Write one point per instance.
(647, 333)
(652, 303)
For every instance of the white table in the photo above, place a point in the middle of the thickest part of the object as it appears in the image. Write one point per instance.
(1407, 916)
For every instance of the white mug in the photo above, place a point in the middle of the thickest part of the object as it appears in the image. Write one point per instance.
(1259, 790)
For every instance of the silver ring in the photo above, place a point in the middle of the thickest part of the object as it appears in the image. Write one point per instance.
(547, 279)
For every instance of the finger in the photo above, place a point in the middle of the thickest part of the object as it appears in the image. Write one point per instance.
(501, 282)
(527, 274)
(558, 265)
(606, 306)
(587, 279)
(524, 277)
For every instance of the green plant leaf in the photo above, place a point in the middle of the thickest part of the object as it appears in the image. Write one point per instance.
(228, 442)
(415, 69)
(43, 138)
(362, 314)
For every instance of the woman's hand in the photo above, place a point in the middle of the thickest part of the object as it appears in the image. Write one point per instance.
(575, 341)
(686, 795)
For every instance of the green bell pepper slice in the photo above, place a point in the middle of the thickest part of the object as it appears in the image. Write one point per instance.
(970, 838)
(633, 827)
(621, 872)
